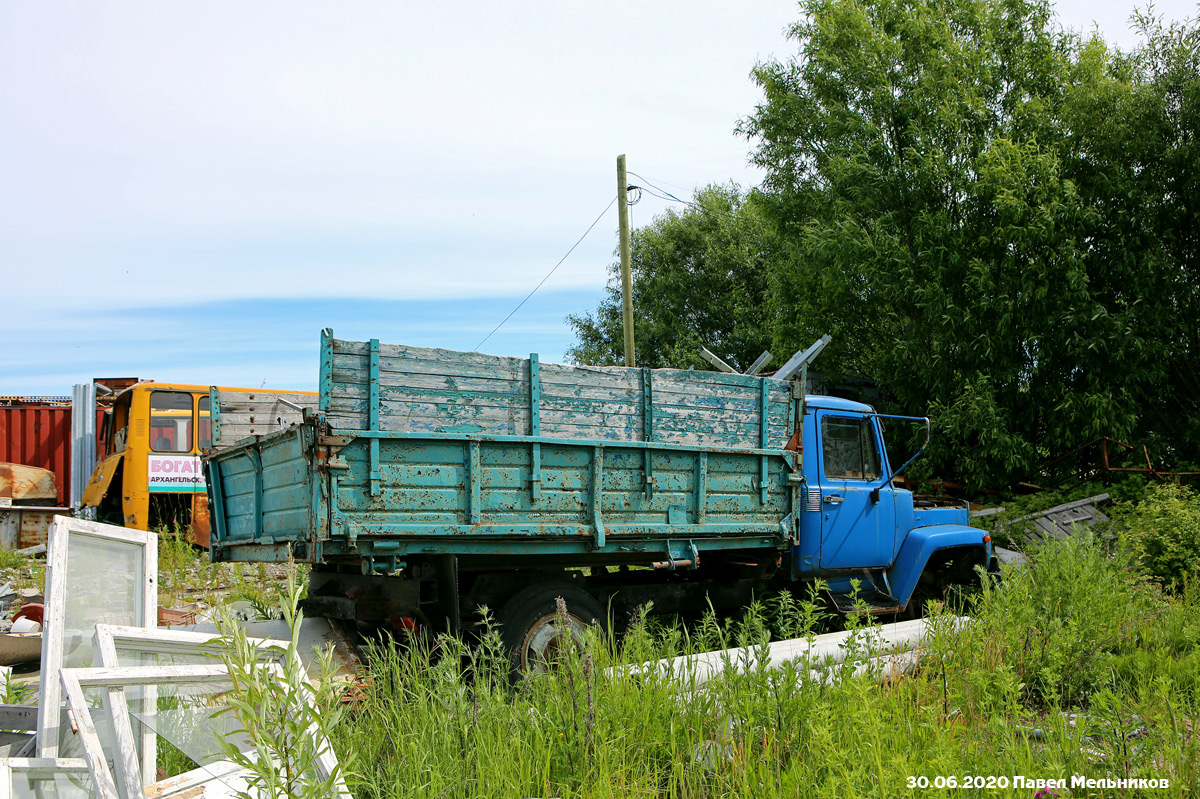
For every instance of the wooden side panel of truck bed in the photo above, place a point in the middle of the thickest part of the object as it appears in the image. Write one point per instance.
(417, 451)
(436, 390)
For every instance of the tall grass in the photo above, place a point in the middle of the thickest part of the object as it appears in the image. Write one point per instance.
(1070, 667)
(187, 574)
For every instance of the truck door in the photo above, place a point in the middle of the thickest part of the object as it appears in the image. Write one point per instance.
(856, 533)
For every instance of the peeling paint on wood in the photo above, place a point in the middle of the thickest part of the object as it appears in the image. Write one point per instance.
(427, 450)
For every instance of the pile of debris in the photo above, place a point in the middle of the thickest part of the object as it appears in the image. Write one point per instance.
(118, 695)
(1057, 522)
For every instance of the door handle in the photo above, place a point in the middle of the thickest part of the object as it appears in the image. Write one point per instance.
(832, 499)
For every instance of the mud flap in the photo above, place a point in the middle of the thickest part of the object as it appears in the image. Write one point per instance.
(445, 570)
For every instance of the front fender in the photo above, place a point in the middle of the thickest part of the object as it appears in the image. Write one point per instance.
(921, 544)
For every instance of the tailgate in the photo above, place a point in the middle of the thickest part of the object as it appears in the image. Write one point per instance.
(261, 495)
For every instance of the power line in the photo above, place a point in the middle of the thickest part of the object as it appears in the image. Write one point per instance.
(668, 195)
(663, 194)
(551, 272)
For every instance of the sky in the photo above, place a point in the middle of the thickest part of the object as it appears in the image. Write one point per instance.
(190, 192)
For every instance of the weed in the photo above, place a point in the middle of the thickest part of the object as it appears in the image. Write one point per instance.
(285, 720)
(11, 559)
(13, 692)
(1073, 646)
(265, 600)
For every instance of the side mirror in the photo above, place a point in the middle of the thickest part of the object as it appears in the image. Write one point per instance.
(875, 492)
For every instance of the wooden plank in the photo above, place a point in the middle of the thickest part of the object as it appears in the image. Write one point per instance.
(436, 382)
(715, 380)
(578, 405)
(608, 377)
(433, 404)
(583, 391)
(474, 481)
(711, 402)
(373, 413)
(764, 427)
(515, 407)
(430, 407)
(709, 395)
(703, 420)
(437, 355)
(265, 402)
(247, 425)
(431, 360)
(596, 493)
(648, 431)
(463, 418)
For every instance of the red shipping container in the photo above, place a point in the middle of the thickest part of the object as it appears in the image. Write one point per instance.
(39, 435)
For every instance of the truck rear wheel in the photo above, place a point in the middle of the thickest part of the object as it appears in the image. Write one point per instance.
(532, 631)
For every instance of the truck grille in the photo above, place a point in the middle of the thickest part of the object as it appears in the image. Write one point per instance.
(812, 500)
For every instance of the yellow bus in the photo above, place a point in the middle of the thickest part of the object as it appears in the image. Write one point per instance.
(150, 475)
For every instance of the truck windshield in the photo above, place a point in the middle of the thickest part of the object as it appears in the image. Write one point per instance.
(848, 448)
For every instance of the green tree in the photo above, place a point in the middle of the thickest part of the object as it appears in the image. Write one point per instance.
(925, 165)
(699, 278)
(1134, 154)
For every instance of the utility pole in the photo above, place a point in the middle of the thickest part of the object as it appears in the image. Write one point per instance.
(626, 277)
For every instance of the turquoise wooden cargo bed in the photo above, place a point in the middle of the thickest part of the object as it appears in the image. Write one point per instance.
(417, 451)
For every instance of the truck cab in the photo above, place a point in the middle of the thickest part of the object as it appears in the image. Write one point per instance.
(854, 524)
(150, 476)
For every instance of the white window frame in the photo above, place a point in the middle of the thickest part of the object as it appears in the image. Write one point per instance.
(109, 637)
(39, 766)
(62, 531)
(115, 680)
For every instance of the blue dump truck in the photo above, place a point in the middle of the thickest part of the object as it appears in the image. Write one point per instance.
(428, 482)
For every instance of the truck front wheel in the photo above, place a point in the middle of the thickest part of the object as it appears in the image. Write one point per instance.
(531, 627)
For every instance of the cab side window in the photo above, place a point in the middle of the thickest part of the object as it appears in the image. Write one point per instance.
(848, 448)
(171, 421)
(204, 414)
(116, 422)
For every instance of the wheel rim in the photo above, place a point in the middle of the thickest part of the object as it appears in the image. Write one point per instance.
(545, 641)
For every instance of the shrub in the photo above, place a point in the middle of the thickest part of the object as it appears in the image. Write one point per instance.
(1163, 532)
(1057, 621)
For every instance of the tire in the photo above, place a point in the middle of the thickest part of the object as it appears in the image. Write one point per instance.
(529, 624)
